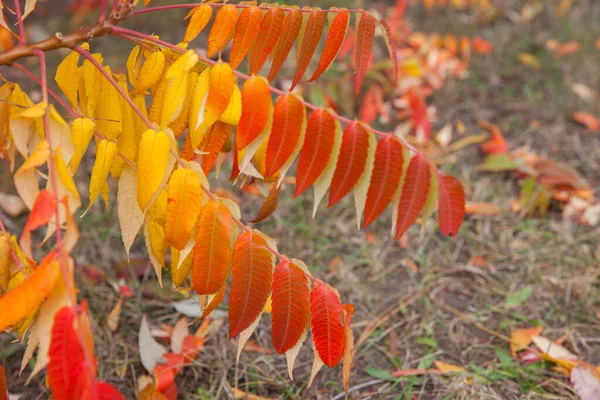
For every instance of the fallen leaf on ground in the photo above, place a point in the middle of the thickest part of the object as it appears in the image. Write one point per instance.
(239, 394)
(583, 91)
(555, 352)
(112, 321)
(585, 383)
(151, 352)
(529, 60)
(487, 209)
(520, 339)
(588, 120)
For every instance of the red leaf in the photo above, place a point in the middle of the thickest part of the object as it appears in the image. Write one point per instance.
(291, 29)
(390, 42)
(385, 178)
(270, 31)
(212, 252)
(43, 209)
(66, 365)
(451, 205)
(421, 123)
(288, 121)
(316, 151)
(99, 390)
(246, 30)
(365, 36)
(481, 45)
(219, 134)
(328, 332)
(497, 145)
(3, 385)
(291, 299)
(333, 43)
(256, 102)
(312, 35)
(351, 162)
(414, 193)
(250, 283)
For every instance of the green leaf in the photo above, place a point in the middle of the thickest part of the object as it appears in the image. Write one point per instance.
(504, 358)
(426, 362)
(428, 342)
(519, 297)
(498, 163)
(380, 374)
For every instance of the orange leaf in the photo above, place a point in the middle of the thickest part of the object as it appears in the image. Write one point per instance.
(316, 151)
(414, 193)
(288, 121)
(270, 204)
(212, 253)
(481, 46)
(451, 197)
(520, 339)
(250, 283)
(246, 30)
(41, 213)
(312, 35)
(26, 297)
(291, 29)
(351, 162)
(347, 313)
(385, 177)
(390, 42)
(223, 26)
(216, 300)
(588, 120)
(3, 385)
(291, 299)
(487, 209)
(270, 31)
(497, 144)
(183, 206)
(256, 103)
(99, 390)
(333, 43)
(200, 18)
(365, 36)
(328, 332)
(219, 134)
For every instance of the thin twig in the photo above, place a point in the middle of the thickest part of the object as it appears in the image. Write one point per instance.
(20, 23)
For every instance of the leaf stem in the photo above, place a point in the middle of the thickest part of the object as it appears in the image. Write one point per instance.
(20, 23)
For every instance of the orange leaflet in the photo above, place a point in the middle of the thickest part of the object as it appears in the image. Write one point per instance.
(421, 124)
(223, 26)
(183, 206)
(256, 103)
(312, 35)
(372, 104)
(26, 297)
(385, 178)
(291, 299)
(221, 87)
(497, 144)
(216, 300)
(327, 330)
(41, 213)
(333, 43)
(212, 253)
(351, 162)
(270, 204)
(414, 193)
(588, 120)
(288, 121)
(219, 134)
(365, 36)
(390, 43)
(451, 198)
(270, 31)
(246, 30)
(316, 151)
(200, 18)
(481, 46)
(291, 29)
(250, 283)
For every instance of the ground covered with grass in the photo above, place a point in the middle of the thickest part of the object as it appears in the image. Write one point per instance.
(423, 299)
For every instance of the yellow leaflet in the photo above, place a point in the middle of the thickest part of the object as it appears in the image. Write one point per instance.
(131, 217)
(134, 61)
(158, 95)
(180, 269)
(183, 207)
(324, 180)
(81, 91)
(128, 141)
(36, 111)
(156, 244)
(140, 126)
(109, 112)
(175, 96)
(198, 105)
(158, 209)
(152, 165)
(26, 181)
(60, 135)
(23, 130)
(200, 18)
(184, 63)
(82, 130)
(233, 113)
(105, 153)
(181, 123)
(67, 77)
(5, 262)
(66, 185)
(362, 186)
(92, 80)
(149, 74)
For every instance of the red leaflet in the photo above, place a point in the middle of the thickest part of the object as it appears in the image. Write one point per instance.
(333, 43)
(414, 193)
(421, 122)
(327, 330)
(351, 162)
(212, 252)
(270, 31)
(385, 178)
(67, 363)
(219, 134)
(291, 29)
(365, 36)
(288, 118)
(99, 390)
(223, 25)
(390, 42)
(317, 148)
(312, 35)
(250, 283)
(451, 203)
(256, 102)
(291, 299)
(246, 30)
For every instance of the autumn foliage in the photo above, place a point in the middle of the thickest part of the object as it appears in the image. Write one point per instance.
(160, 131)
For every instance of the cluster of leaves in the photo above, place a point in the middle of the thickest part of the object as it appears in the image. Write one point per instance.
(160, 130)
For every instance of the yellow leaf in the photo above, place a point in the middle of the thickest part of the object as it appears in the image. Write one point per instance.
(82, 130)
(180, 269)
(5, 262)
(184, 63)
(26, 181)
(179, 125)
(92, 81)
(175, 97)
(158, 209)
(36, 111)
(134, 61)
(152, 165)
(26, 297)
(530, 60)
(183, 207)
(67, 77)
(131, 217)
(149, 74)
(158, 95)
(200, 17)
(105, 153)
(198, 106)
(81, 91)
(60, 135)
(445, 367)
(233, 113)
(109, 113)
(156, 244)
